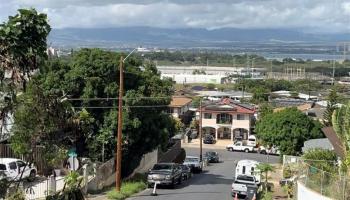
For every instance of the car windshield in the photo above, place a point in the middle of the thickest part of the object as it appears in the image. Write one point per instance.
(162, 167)
(245, 178)
(2, 167)
(191, 160)
(184, 167)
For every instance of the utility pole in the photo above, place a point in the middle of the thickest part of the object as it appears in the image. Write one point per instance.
(333, 72)
(120, 126)
(200, 132)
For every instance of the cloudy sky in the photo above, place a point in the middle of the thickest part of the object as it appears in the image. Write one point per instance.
(307, 15)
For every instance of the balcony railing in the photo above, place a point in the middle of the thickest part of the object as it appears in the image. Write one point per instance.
(218, 121)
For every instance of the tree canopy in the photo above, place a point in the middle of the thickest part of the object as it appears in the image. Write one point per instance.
(288, 130)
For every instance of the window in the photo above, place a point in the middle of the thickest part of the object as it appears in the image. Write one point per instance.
(207, 115)
(252, 171)
(20, 164)
(2, 167)
(240, 117)
(223, 118)
(13, 165)
(243, 170)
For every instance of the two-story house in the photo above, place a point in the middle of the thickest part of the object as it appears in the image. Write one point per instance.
(227, 119)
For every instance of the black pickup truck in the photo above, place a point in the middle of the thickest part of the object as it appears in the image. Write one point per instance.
(165, 174)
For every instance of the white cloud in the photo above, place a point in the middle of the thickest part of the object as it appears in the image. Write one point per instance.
(316, 15)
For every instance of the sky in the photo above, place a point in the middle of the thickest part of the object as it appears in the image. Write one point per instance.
(306, 15)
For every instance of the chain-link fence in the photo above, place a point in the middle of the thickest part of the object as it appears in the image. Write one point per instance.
(334, 184)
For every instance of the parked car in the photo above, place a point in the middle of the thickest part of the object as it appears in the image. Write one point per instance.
(165, 174)
(266, 150)
(251, 141)
(209, 139)
(238, 146)
(194, 163)
(186, 172)
(245, 186)
(12, 168)
(212, 156)
(287, 181)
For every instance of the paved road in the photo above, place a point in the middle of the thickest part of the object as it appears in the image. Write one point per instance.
(213, 184)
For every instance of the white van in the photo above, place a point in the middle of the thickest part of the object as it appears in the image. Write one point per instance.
(248, 167)
(11, 169)
(251, 141)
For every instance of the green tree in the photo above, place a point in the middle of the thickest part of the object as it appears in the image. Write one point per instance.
(23, 43)
(265, 169)
(265, 109)
(210, 86)
(341, 125)
(93, 74)
(260, 95)
(288, 130)
(196, 101)
(22, 49)
(332, 101)
(325, 160)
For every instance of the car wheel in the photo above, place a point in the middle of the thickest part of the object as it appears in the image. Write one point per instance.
(230, 149)
(246, 150)
(172, 185)
(179, 180)
(32, 175)
(150, 185)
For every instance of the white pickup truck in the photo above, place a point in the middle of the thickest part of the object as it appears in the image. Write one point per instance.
(238, 146)
(244, 185)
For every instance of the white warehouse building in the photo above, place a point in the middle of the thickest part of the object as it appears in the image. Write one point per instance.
(198, 78)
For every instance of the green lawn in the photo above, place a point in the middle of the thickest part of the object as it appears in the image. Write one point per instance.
(128, 188)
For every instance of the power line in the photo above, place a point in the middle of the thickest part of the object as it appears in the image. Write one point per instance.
(107, 107)
(113, 98)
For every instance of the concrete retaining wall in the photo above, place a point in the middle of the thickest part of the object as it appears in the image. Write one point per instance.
(305, 193)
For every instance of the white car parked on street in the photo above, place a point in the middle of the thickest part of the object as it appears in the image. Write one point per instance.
(11, 169)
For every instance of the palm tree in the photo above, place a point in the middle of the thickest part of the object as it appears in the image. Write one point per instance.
(341, 125)
(265, 168)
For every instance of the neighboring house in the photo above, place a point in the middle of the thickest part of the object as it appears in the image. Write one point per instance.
(227, 119)
(179, 106)
(321, 143)
(218, 95)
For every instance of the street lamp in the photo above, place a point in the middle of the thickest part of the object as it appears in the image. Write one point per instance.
(118, 155)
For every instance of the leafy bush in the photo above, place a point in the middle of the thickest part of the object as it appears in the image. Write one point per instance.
(267, 196)
(127, 189)
(17, 195)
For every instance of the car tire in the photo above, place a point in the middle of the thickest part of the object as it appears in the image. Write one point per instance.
(179, 181)
(32, 176)
(230, 149)
(150, 185)
(172, 185)
(246, 150)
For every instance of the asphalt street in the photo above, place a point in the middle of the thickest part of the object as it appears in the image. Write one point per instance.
(214, 183)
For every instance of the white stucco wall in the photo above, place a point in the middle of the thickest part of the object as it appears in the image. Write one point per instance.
(305, 193)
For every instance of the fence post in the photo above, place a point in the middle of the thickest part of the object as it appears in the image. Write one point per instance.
(52, 184)
(322, 177)
(86, 178)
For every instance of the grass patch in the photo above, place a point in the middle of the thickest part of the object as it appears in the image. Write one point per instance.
(128, 188)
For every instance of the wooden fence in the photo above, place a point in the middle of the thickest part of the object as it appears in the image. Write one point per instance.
(7, 152)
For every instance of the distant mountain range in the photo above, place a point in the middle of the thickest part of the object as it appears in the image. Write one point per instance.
(185, 37)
